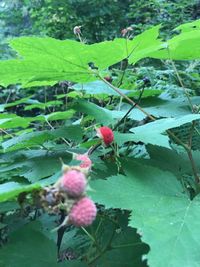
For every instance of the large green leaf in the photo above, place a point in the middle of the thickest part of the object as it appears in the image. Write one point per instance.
(159, 126)
(144, 44)
(184, 46)
(45, 61)
(152, 133)
(30, 247)
(126, 248)
(167, 220)
(144, 137)
(172, 160)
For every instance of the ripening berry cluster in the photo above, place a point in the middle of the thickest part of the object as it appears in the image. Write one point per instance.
(73, 182)
(69, 193)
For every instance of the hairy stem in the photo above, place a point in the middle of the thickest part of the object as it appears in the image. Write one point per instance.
(182, 85)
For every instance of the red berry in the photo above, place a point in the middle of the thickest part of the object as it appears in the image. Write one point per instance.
(106, 134)
(108, 79)
(83, 213)
(74, 183)
(85, 160)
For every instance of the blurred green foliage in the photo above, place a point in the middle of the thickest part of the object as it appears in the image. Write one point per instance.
(170, 13)
(100, 20)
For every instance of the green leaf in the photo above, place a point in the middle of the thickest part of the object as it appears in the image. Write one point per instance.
(8, 121)
(29, 247)
(101, 115)
(17, 102)
(54, 116)
(46, 61)
(151, 133)
(39, 105)
(159, 126)
(41, 167)
(126, 249)
(164, 216)
(97, 87)
(10, 190)
(9, 206)
(184, 46)
(37, 138)
(146, 93)
(144, 137)
(107, 53)
(144, 44)
(171, 160)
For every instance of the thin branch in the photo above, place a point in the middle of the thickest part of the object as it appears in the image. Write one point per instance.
(191, 134)
(127, 98)
(194, 168)
(181, 83)
(66, 142)
(107, 247)
(60, 232)
(128, 112)
(189, 152)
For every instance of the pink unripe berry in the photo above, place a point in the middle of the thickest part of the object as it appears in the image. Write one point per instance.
(74, 183)
(83, 213)
(106, 134)
(85, 160)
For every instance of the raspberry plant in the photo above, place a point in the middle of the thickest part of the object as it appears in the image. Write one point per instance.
(142, 170)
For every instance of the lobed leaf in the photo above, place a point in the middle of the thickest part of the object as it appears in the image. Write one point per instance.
(164, 216)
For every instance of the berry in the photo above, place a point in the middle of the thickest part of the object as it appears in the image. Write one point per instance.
(85, 160)
(77, 30)
(146, 81)
(83, 213)
(108, 79)
(74, 183)
(106, 134)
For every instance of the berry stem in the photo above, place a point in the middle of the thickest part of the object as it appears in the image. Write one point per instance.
(88, 234)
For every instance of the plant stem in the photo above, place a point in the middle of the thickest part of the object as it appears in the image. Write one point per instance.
(88, 234)
(182, 85)
(127, 98)
(3, 131)
(107, 247)
(66, 142)
(93, 239)
(194, 168)
(128, 112)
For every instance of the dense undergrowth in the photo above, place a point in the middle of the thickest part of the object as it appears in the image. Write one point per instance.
(55, 96)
